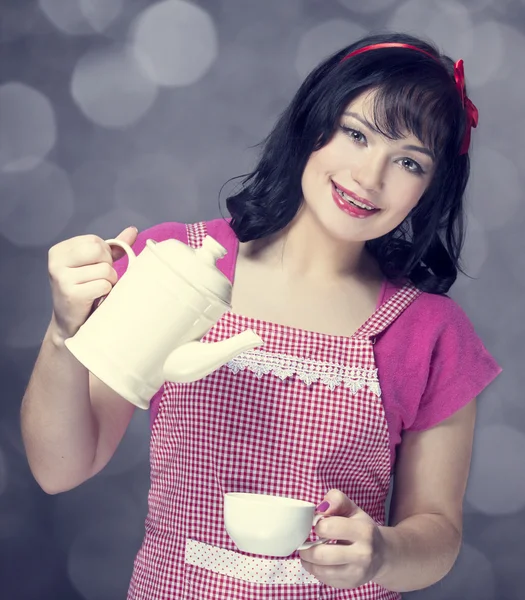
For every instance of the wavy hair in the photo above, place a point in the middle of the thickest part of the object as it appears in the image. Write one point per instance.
(415, 93)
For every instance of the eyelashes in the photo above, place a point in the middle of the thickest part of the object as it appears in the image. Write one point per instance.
(350, 132)
(359, 138)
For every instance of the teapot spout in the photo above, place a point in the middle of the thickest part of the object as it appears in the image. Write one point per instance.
(195, 360)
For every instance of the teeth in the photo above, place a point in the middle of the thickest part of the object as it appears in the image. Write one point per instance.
(352, 201)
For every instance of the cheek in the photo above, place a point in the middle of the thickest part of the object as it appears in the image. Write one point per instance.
(317, 163)
(331, 158)
(407, 191)
(314, 173)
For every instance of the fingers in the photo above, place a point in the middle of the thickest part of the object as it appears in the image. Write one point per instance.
(88, 273)
(128, 235)
(78, 252)
(80, 271)
(325, 554)
(88, 250)
(353, 529)
(339, 504)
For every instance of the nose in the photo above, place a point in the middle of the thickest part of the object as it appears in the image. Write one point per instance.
(369, 172)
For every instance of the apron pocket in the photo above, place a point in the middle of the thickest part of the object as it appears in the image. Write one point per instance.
(251, 569)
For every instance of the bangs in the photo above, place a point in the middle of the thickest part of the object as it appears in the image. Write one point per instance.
(429, 113)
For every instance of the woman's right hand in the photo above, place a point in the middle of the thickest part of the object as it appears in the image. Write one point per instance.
(80, 271)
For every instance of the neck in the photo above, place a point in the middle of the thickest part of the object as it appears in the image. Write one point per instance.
(304, 249)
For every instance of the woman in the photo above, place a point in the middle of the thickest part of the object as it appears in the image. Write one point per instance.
(342, 245)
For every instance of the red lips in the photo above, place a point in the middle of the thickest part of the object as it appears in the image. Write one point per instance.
(355, 196)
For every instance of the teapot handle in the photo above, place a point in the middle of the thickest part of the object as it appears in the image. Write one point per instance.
(131, 256)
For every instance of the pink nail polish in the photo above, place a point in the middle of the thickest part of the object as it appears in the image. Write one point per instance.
(324, 506)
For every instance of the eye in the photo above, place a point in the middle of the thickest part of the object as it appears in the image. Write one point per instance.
(354, 134)
(411, 166)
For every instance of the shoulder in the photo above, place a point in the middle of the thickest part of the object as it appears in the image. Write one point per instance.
(431, 316)
(443, 307)
(430, 327)
(433, 360)
(434, 332)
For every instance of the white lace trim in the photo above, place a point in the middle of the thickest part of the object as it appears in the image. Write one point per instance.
(308, 371)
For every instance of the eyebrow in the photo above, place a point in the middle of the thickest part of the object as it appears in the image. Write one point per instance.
(369, 125)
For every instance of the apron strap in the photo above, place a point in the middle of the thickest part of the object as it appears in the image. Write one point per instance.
(388, 312)
(196, 234)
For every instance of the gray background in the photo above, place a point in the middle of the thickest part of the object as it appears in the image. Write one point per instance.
(120, 112)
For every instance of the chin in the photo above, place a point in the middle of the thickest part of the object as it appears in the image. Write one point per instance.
(347, 230)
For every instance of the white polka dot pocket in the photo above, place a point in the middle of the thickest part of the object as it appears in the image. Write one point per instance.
(269, 525)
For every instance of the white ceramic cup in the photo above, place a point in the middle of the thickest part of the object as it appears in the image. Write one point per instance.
(269, 525)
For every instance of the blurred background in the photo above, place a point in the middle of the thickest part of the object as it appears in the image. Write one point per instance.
(132, 112)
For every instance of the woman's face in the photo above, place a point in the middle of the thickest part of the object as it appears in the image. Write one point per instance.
(362, 185)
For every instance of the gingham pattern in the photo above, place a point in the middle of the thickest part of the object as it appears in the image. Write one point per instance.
(240, 432)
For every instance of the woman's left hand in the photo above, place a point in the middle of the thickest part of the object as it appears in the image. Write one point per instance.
(359, 553)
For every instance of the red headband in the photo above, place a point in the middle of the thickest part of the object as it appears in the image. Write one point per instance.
(459, 76)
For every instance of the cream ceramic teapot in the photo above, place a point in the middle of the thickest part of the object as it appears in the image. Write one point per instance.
(148, 328)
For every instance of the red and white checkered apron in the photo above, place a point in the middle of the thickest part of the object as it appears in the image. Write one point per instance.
(296, 417)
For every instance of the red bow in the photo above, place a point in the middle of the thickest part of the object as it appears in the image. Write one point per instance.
(470, 109)
(459, 75)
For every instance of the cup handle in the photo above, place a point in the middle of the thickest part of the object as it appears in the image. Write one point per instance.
(131, 256)
(308, 545)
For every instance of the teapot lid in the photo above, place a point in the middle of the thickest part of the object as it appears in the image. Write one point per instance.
(196, 266)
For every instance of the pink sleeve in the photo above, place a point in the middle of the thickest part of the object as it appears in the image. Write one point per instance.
(159, 233)
(460, 368)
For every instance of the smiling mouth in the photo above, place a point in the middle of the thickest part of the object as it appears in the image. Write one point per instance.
(352, 200)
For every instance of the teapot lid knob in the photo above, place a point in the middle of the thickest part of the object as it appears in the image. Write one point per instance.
(210, 250)
(196, 266)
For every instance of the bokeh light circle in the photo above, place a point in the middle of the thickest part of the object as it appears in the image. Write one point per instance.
(448, 24)
(175, 42)
(27, 125)
(322, 40)
(496, 189)
(270, 13)
(41, 201)
(485, 59)
(100, 13)
(477, 5)
(66, 16)
(110, 89)
(368, 7)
